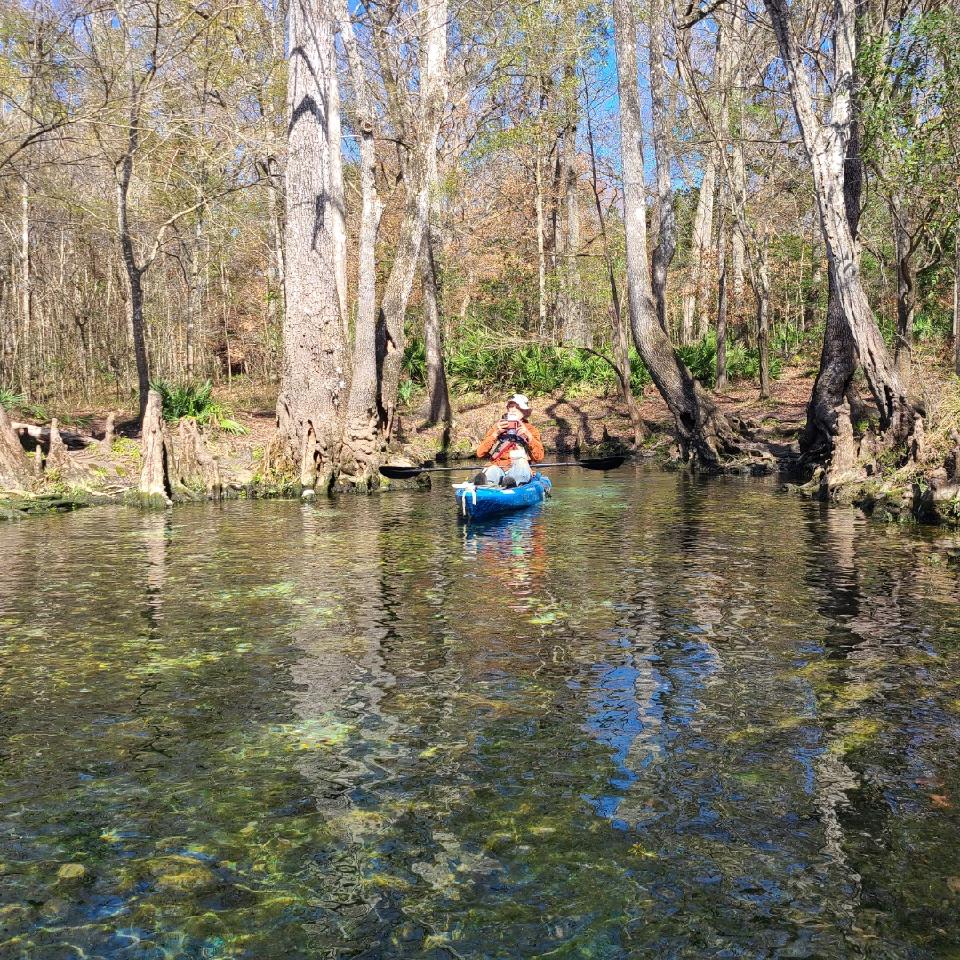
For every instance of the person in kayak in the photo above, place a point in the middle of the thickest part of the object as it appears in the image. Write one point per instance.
(512, 444)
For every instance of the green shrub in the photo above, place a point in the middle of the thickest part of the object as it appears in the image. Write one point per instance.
(17, 401)
(195, 400)
(476, 364)
(743, 363)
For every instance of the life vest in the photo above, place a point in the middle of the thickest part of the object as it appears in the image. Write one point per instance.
(509, 443)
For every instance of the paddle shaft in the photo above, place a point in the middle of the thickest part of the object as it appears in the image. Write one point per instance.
(537, 466)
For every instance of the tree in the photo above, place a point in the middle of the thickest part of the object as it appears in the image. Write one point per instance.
(314, 385)
(703, 433)
(825, 143)
(666, 222)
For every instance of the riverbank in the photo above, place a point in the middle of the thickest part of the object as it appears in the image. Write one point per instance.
(90, 469)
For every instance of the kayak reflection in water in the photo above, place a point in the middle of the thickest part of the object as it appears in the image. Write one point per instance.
(512, 444)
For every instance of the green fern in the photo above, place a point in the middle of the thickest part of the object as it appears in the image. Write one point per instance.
(195, 400)
(18, 401)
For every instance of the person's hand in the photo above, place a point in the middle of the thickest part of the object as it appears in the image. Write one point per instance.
(504, 426)
(523, 431)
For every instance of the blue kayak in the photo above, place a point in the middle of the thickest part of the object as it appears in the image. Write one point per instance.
(477, 503)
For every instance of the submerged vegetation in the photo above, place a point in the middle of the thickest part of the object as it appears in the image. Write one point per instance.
(263, 762)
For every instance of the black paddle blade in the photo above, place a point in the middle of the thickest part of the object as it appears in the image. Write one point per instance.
(602, 463)
(400, 473)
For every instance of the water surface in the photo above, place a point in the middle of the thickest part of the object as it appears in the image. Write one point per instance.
(658, 717)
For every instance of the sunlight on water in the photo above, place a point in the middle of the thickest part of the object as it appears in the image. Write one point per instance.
(655, 717)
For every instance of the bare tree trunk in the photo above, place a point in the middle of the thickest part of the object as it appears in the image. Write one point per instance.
(576, 331)
(763, 319)
(621, 335)
(313, 384)
(26, 289)
(828, 429)
(438, 398)
(194, 298)
(702, 432)
(132, 272)
(826, 149)
(361, 438)
(906, 290)
(541, 250)
(433, 27)
(154, 472)
(666, 224)
(693, 301)
(338, 225)
(722, 298)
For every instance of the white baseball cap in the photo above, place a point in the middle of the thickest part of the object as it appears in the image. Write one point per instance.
(521, 401)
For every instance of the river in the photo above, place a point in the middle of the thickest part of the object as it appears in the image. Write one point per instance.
(657, 717)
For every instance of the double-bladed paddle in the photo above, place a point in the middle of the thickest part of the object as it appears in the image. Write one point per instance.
(392, 472)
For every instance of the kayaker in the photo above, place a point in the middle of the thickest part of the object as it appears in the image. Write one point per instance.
(512, 444)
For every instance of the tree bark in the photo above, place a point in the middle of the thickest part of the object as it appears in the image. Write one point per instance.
(14, 468)
(541, 247)
(906, 290)
(576, 331)
(313, 384)
(438, 398)
(702, 432)
(154, 472)
(433, 37)
(666, 224)
(722, 299)
(338, 213)
(361, 442)
(26, 289)
(829, 430)
(693, 301)
(763, 323)
(825, 146)
(621, 335)
(194, 297)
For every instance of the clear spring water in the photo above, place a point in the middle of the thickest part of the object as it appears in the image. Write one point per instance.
(658, 717)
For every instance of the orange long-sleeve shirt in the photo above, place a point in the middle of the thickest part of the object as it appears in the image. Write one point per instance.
(534, 443)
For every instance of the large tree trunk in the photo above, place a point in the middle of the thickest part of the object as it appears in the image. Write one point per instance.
(828, 412)
(825, 145)
(313, 384)
(666, 224)
(361, 440)
(702, 431)
(338, 224)
(621, 335)
(14, 469)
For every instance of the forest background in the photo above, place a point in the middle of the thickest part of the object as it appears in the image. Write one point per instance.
(144, 177)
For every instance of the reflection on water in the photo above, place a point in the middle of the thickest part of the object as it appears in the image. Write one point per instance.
(653, 717)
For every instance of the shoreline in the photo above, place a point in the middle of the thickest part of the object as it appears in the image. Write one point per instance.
(93, 474)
